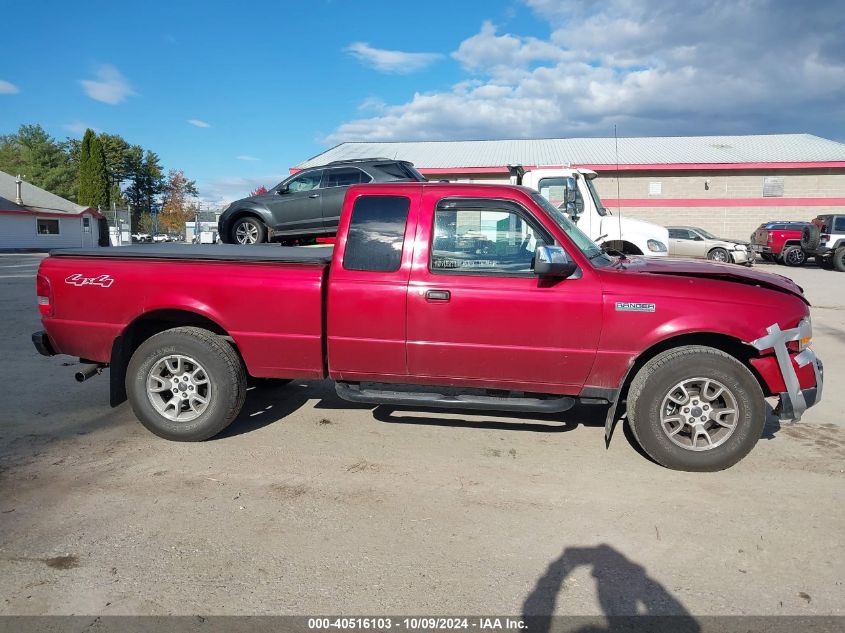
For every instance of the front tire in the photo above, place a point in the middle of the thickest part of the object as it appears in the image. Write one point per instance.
(186, 384)
(248, 230)
(696, 408)
(719, 255)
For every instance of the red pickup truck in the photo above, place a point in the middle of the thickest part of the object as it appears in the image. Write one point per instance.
(449, 295)
(780, 242)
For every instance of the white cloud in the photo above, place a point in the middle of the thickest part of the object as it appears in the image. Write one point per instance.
(246, 157)
(110, 86)
(198, 123)
(697, 67)
(8, 88)
(387, 61)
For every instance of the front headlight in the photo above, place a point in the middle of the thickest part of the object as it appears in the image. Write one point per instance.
(740, 247)
(656, 247)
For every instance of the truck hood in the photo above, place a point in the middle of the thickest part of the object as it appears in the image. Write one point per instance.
(710, 270)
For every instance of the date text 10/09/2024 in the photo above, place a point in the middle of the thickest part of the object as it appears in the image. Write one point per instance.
(416, 623)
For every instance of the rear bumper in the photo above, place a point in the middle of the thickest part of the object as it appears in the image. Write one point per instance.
(42, 343)
(759, 248)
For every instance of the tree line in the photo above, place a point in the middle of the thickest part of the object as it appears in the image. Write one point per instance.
(101, 169)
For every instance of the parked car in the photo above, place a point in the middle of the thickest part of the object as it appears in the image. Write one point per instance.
(824, 238)
(452, 295)
(161, 237)
(780, 241)
(308, 203)
(142, 238)
(691, 241)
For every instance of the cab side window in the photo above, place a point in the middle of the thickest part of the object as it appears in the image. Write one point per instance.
(488, 240)
(554, 190)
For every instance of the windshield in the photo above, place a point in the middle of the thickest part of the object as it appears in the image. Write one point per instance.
(584, 243)
(595, 195)
(707, 234)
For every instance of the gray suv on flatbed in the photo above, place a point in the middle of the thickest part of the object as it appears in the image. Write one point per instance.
(306, 204)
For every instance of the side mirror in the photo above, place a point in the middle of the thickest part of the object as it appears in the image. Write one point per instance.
(570, 196)
(282, 189)
(552, 261)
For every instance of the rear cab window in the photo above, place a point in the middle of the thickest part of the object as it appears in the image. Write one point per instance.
(376, 233)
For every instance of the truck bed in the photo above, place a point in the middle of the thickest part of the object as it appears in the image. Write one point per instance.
(321, 255)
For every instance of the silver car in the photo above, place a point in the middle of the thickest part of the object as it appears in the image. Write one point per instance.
(691, 241)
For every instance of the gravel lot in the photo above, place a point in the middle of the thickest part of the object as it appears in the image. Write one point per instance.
(307, 505)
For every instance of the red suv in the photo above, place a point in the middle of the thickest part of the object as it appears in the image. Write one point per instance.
(780, 241)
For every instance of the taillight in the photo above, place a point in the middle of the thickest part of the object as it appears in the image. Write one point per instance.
(45, 295)
(824, 238)
(770, 238)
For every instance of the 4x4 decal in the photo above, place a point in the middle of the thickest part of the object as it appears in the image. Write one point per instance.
(78, 280)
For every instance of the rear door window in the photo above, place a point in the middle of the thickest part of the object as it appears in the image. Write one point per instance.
(344, 176)
(839, 224)
(376, 233)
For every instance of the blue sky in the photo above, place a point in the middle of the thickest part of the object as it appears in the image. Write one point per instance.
(237, 94)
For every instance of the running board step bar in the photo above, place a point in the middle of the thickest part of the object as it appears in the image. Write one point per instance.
(355, 393)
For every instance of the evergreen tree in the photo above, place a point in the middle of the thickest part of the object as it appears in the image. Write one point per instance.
(84, 191)
(34, 154)
(94, 182)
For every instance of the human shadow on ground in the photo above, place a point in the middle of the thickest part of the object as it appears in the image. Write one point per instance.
(625, 592)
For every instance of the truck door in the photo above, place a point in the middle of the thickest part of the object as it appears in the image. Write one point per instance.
(477, 313)
(368, 286)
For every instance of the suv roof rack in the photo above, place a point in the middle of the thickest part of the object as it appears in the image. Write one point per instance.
(361, 160)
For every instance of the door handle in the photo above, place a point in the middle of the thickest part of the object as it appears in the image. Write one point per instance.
(437, 295)
(314, 195)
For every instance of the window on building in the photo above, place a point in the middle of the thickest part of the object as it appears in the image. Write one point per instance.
(491, 240)
(655, 188)
(773, 187)
(376, 233)
(47, 226)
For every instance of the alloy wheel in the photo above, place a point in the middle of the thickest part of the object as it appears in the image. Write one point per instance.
(179, 388)
(699, 414)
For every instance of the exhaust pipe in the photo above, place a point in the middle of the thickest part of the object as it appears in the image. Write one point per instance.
(89, 371)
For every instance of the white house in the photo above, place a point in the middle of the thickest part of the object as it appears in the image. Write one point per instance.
(32, 218)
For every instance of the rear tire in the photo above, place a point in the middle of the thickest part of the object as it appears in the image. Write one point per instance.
(793, 256)
(171, 373)
(663, 398)
(767, 257)
(719, 255)
(839, 259)
(248, 231)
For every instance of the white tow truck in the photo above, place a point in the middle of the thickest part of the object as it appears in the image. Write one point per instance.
(572, 191)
